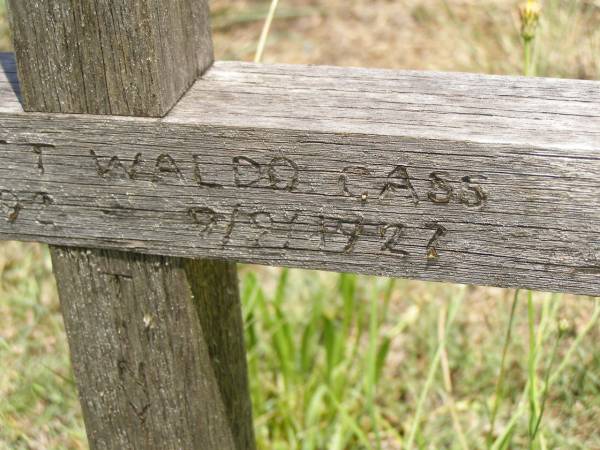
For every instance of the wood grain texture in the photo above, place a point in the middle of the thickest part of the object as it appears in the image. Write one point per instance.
(156, 342)
(448, 177)
(109, 57)
(155, 350)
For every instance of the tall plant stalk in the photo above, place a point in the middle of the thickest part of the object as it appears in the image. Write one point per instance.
(501, 376)
(530, 18)
(433, 367)
(262, 42)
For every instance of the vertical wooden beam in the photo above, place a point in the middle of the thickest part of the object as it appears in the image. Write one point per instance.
(130, 58)
(156, 343)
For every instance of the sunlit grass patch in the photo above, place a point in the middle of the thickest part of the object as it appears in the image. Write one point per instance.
(336, 361)
(319, 381)
(39, 407)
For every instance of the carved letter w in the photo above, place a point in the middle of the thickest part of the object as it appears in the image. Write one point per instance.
(114, 163)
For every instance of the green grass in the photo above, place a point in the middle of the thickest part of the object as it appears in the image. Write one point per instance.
(342, 362)
(39, 406)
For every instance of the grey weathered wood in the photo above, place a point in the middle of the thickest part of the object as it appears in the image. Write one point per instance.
(109, 57)
(156, 343)
(504, 174)
(157, 367)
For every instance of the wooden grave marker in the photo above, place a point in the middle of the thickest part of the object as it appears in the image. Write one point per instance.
(436, 176)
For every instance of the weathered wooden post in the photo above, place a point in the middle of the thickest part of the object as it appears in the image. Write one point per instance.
(156, 342)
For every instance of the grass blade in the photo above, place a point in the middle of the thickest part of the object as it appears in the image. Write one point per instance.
(262, 42)
(448, 385)
(455, 306)
(532, 366)
(501, 375)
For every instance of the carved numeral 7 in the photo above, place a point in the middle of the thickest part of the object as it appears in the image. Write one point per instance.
(440, 230)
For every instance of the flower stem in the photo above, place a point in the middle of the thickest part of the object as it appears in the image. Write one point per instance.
(529, 63)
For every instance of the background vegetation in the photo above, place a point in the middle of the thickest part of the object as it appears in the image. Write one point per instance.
(347, 362)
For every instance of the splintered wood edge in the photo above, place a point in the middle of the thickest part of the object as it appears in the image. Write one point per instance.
(436, 176)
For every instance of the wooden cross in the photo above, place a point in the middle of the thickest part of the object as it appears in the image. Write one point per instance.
(137, 152)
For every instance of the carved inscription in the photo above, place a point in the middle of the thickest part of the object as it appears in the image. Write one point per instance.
(392, 188)
(344, 181)
(357, 181)
(392, 234)
(280, 173)
(115, 164)
(10, 205)
(399, 180)
(439, 232)
(39, 150)
(13, 204)
(469, 193)
(166, 167)
(303, 231)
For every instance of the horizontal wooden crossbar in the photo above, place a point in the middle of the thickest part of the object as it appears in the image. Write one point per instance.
(436, 176)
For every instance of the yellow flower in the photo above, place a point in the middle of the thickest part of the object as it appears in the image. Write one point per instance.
(530, 17)
(563, 326)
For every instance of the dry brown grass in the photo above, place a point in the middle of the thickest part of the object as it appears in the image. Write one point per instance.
(450, 35)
